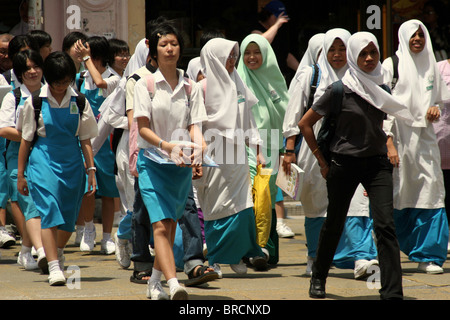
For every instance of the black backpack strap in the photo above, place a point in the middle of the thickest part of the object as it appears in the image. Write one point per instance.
(18, 95)
(81, 80)
(8, 76)
(313, 87)
(37, 105)
(81, 102)
(395, 61)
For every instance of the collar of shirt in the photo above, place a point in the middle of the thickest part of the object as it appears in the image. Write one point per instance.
(45, 93)
(181, 80)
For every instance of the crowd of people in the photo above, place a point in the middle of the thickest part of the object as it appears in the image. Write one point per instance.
(93, 122)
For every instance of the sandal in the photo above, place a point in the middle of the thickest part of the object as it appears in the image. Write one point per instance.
(202, 276)
(138, 276)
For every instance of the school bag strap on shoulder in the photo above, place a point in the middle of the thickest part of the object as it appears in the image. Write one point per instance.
(395, 61)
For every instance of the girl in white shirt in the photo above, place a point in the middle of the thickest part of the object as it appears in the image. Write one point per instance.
(167, 114)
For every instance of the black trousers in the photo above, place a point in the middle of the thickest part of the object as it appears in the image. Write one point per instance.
(375, 174)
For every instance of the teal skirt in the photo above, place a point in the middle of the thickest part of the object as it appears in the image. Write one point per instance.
(3, 176)
(164, 188)
(422, 234)
(232, 238)
(356, 241)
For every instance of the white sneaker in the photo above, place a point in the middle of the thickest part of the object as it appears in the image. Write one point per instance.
(27, 261)
(309, 263)
(239, 268)
(361, 268)
(87, 243)
(178, 293)
(56, 278)
(108, 246)
(156, 292)
(217, 269)
(430, 268)
(6, 240)
(284, 231)
(123, 252)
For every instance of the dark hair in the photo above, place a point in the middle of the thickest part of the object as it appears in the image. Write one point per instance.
(99, 49)
(208, 35)
(41, 38)
(20, 42)
(71, 38)
(117, 46)
(59, 66)
(160, 30)
(151, 25)
(20, 62)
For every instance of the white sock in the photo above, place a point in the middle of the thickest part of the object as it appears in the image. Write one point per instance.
(106, 236)
(156, 275)
(173, 283)
(89, 225)
(53, 266)
(40, 252)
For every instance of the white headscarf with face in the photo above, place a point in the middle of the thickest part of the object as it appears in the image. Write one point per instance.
(367, 85)
(420, 85)
(329, 74)
(138, 60)
(223, 89)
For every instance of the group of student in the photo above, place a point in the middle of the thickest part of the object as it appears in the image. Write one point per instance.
(148, 106)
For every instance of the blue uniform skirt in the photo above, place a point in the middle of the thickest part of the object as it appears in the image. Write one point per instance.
(230, 239)
(3, 176)
(422, 234)
(164, 188)
(356, 241)
(26, 203)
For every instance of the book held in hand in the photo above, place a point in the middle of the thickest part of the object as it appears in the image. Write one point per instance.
(290, 184)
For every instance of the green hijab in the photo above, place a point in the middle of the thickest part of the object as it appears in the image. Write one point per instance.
(269, 86)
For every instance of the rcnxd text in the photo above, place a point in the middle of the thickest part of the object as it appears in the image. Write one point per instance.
(232, 309)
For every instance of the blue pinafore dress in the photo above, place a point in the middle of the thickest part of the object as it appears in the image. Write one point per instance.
(56, 173)
(105, 158)
(26, 203)
(3, 176)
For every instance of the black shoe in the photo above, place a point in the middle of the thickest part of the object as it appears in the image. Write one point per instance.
(317, 288)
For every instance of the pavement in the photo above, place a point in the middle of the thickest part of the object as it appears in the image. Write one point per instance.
(96, 276)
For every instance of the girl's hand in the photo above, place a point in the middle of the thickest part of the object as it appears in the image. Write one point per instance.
(433, 114)
(22, 186)
(197, 172)
(81, 49)
(92, 183)
(287, 160)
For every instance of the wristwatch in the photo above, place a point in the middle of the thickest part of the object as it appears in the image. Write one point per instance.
(289, 151)
(86, 58)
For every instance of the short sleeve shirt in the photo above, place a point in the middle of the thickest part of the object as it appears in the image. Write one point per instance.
(359, 125)
(170, 112)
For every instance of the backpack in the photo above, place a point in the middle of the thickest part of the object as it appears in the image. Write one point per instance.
(37, 105)
(134, 130)
(328, 128)
(395, 76)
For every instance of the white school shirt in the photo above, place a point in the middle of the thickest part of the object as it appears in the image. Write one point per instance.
(111, 78)
(87, 128)
(9, 116)
(171, 111)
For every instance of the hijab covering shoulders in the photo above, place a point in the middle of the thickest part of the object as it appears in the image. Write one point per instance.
(419, 85)
(309, 58)
(367, 85)
(268, 85)
(138, 60)
(224, 90)
(329, 74)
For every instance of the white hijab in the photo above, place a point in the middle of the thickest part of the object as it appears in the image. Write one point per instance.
(367, 85)
(420, 85)
(223, 89)
(329, 74)
(138, 60)
(309, 58)
(193, 69)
